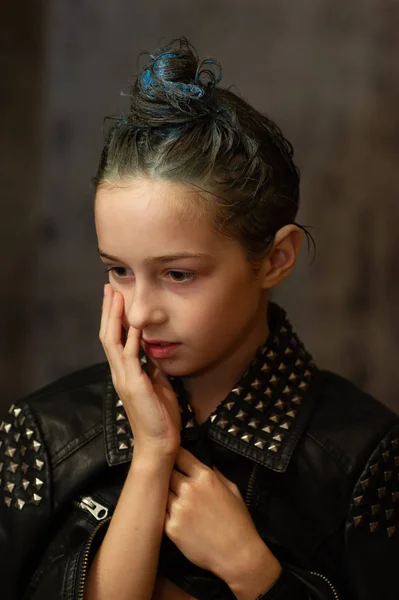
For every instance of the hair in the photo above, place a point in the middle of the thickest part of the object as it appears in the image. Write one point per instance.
(183, 127)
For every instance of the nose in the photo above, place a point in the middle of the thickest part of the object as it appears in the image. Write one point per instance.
(143, 308)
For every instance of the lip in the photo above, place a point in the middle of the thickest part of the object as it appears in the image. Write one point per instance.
(157, 351)
(157, 342)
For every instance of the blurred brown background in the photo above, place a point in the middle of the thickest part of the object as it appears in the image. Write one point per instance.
(326, 70)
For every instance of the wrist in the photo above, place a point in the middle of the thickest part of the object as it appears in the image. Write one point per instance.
(253, 574)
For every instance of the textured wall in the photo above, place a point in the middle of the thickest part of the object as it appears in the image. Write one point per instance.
(325, 70)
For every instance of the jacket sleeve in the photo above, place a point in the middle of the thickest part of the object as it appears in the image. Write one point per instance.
(25, 499)
(372, 527)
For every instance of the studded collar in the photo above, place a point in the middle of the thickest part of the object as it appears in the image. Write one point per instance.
(262, 417)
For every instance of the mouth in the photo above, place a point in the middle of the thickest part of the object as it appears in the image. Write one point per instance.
(160, 349)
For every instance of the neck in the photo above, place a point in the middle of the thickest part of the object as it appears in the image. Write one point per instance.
(206, 389)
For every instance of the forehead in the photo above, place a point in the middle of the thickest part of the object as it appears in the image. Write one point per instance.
(151, 214)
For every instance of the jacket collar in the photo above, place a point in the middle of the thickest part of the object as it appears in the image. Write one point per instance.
(262, 417)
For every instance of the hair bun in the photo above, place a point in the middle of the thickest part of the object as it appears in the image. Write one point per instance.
(174, 87)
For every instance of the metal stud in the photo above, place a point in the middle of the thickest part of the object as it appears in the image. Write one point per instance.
(247, 437)
(11, 409)
(274, 447)
(22, 420)
(120, 416)
(268, 428)
(375, 509)
(237, 390)
(374, 469)
(28, 433)
(298, 362)
(271, 355)
(357, 520)
(279, 404)
(391, 531)
(256, 384)
(373, 526)
(275, 418)
(24, 468)
(260, 444)
(241, 415)
(297, 400)
(268, 392)
(36, 446)
(7, 501)
(121, 430)
(292, 414)
(293, 377)
(119, 403)
(19, 503)
(285, 425)
(230, 405)
(38, 483)
(278, 437)
(234, 430)
(389, 514)
(9, 487)
(254, 423)
(12, 467)
(260, 406)
(287, 390)
(386, 456)
(36, 499)
(382, 492)
(25, 484)
(388, 475)
(357, 500)
(274, 380)
(7, 427)
(10, 451)
(17, 412)
(365, 484)
(249, 397)
(282, 367)
(16, 437)
(189, 424)
(288, 350)
(122, 446)
(222, 423)
(265, 368)
(303, 385)
(39, 464)
(213, 417)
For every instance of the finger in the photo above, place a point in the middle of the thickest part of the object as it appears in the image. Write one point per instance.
(112, 340)
(105, 309)
(169, 502)
(230, 484)
(159, 377)
(188, 463)
(131, 351)
(175, 481)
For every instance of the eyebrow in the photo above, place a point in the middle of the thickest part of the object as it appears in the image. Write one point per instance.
(160, 259)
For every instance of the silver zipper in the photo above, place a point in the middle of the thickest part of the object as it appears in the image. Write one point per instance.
(251, 481)
(96, 509)
(324, 578)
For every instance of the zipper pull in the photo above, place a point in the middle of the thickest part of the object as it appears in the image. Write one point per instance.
(96, 509)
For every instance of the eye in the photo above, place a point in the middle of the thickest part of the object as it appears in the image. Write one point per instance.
(119, 271)
(181, 276)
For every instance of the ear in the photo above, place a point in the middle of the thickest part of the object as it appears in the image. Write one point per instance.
(282, 256)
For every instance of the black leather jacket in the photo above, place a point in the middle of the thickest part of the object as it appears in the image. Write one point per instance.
(316, 460)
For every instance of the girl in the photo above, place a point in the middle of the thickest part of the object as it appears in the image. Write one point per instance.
(209, 457)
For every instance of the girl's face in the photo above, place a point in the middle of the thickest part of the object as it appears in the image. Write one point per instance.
(209, 301)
